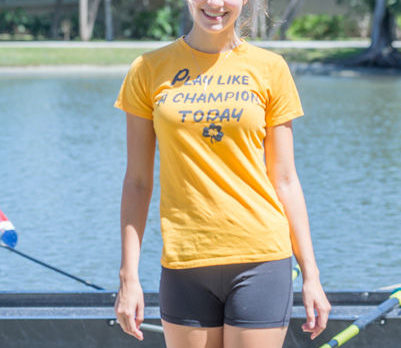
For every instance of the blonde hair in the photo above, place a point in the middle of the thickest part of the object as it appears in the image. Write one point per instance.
(250, 15)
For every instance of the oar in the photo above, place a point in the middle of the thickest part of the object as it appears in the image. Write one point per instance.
(8, 240)
(358, 325)
(296, 271)
(151, 327)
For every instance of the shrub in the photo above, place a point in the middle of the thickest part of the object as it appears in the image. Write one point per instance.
(130, 21)
(157, 24)
(320, 27)
(17, 24)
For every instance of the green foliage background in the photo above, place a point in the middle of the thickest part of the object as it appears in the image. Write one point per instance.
(395, 5)
(161, 21)
(323, 27)
(17, 22)
(131, 21)
(158, 23)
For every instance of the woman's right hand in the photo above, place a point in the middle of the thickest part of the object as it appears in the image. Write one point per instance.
(129, 308)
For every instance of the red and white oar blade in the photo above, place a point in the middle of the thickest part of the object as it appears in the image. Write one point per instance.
(8, 236)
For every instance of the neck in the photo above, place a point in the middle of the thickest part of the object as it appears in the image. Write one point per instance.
(212, 43)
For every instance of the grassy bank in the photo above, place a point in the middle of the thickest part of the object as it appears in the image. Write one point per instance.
(60, 56)
(310, 55)
(110, 56)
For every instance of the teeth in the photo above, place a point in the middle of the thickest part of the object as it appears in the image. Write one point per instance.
(214, 14)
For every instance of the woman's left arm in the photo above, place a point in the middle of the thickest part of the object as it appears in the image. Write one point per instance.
(280, 165)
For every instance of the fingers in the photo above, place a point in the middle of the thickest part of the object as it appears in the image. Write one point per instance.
(136, 323)
(323, 316)
(310, 317)
(139, 315)
(133, 328)
(130, 320)
(128, 325)
(315, 298)
(319, 322)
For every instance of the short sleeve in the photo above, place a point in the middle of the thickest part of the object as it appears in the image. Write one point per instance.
(134, 95)
(284, 103)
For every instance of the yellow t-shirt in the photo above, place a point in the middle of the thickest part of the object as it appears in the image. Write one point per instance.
(210, 112)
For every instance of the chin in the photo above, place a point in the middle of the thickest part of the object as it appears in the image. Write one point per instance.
(215, 28)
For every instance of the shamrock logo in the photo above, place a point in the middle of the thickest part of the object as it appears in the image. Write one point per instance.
(213, 131)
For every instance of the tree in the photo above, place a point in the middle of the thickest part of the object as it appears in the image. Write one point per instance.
(56, 19)
(380, 53)
(108, 15)
(185, 19)
(259, 17)
(289, 15)
(87, 17)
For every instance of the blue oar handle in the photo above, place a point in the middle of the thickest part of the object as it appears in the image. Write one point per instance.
(385, 307)
(53, 268)
(358, 325)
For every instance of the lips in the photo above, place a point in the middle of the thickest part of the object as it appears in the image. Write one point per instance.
(213, 15)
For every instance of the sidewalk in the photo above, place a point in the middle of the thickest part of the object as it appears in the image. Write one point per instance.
(323, 44)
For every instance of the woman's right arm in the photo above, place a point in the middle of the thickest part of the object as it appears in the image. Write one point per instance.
(136, 195)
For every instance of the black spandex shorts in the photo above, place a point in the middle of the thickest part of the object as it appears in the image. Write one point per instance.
(255, 295)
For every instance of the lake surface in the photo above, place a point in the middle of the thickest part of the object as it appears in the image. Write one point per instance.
(62, 156)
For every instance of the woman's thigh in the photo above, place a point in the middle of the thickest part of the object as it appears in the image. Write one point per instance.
(243, 337)
(183, 336)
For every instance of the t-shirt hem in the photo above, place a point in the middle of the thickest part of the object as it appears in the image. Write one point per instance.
(135, 112)
(284, 118)
(224, 260)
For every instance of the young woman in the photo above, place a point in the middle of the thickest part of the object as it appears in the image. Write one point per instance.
(232, 208)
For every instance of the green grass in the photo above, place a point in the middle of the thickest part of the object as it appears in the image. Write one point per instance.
(310, 55)
(58, 56)
(108, 56)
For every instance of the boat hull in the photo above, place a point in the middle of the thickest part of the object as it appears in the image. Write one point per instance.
(87, 319)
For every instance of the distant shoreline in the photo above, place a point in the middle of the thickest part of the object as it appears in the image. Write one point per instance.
(60, 57)
(61, 70)
(74, 70)
(330, 69)
(318, 44)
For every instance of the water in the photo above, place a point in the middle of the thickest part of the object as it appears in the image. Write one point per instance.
(62, 157)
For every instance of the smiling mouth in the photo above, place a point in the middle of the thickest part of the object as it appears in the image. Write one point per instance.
(214, 16)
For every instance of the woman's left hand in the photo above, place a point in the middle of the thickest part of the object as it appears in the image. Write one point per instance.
(315, 298)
